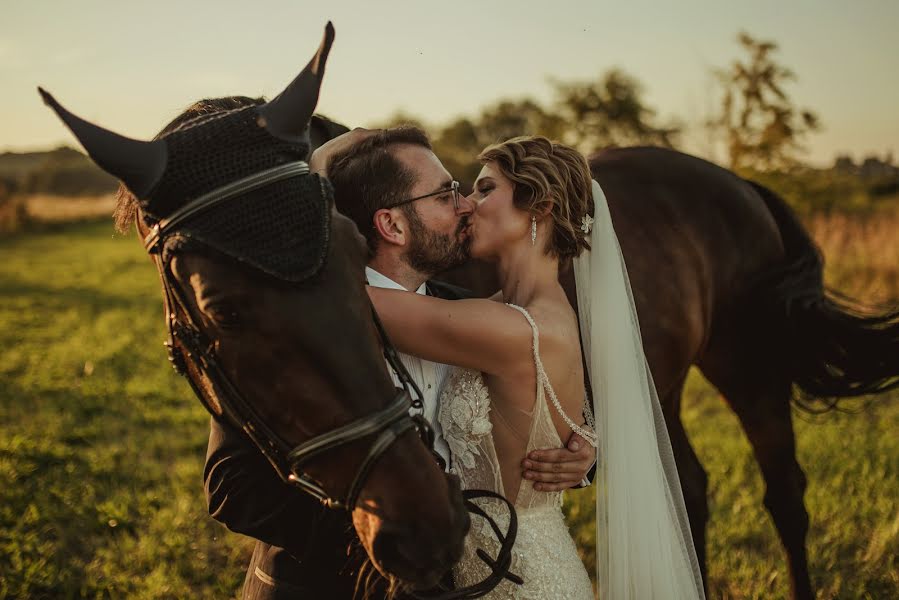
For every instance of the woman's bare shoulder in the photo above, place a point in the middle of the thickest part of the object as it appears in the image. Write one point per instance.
(555, 319)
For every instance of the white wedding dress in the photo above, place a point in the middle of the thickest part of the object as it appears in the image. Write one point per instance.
(544, 554)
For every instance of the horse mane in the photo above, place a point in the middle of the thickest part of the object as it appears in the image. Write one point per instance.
(125, 212)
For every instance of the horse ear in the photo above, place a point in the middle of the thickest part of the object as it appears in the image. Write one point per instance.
(138, 164)
(287, 115)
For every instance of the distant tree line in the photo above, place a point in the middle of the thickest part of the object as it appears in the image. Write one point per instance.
(60, 172)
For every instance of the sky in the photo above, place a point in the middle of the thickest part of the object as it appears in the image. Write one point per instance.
(132, 66)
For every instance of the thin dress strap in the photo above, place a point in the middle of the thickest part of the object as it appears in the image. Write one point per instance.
(542, 376)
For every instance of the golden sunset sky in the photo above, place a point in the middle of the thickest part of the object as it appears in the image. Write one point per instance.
(131, 66)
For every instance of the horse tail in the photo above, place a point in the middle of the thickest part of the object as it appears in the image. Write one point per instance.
(835, 347)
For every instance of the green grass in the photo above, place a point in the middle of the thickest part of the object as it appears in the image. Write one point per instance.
(852, 465)
(101, 444)
(102, 447)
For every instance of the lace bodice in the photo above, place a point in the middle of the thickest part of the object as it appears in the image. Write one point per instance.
(544, 553)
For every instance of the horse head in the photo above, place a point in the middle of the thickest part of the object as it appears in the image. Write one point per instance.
(268, 316)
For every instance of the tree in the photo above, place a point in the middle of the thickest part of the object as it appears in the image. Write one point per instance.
(610, 112)
(761, 127)
(589, 115)
(458, 143)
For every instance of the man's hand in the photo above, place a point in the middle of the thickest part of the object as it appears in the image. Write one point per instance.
(555, 469)
(318, 163)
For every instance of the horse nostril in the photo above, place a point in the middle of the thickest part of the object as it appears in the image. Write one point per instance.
(394, 547)
(400, 554)
(386, 545)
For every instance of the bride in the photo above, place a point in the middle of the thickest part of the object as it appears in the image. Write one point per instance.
(521, 384)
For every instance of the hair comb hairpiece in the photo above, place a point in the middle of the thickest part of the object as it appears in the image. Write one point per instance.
(586, 224)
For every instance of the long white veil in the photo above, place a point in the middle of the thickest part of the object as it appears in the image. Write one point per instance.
(644, 549)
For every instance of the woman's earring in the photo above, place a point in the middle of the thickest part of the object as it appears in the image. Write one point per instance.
(533, 230)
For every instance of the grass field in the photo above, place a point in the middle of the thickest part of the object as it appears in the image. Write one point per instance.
(102, 445)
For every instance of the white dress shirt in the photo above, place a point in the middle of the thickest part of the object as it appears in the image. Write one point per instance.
(429, 376)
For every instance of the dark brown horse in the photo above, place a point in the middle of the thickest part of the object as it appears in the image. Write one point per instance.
(727, 279)
(263, 284)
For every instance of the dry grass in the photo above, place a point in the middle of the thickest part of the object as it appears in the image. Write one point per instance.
(25, 211)
(55, 209)
(861, 253)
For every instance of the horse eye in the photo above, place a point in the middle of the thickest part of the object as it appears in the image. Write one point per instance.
(224, 317)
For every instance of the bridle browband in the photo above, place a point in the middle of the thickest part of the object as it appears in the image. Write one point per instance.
(389, 423)
(226, 192)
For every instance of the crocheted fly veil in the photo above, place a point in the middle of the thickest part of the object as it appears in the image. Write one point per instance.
(280, 229)
(270, 213)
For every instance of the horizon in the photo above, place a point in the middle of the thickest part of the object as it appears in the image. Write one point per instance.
(438, 63)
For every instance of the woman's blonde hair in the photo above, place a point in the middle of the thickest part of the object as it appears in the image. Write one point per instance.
(548, 178)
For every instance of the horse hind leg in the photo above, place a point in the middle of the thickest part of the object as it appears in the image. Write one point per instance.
(694, 480)
(762, 403)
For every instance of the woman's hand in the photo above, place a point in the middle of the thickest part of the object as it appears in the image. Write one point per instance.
(318, 163)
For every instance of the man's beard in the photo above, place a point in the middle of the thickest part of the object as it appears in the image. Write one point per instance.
(429, 252)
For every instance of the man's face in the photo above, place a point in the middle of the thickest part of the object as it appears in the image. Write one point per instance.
(437, 234)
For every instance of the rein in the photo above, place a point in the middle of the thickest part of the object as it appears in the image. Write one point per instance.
(187, 344)
(499, 568)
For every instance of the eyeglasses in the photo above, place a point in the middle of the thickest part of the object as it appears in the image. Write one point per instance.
(454, 188)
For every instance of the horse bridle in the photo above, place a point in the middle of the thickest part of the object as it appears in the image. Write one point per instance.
(187, 344)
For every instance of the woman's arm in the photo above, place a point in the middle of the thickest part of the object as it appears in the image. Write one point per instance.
(477, 334)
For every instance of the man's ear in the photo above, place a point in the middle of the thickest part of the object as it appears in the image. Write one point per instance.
(391, 226)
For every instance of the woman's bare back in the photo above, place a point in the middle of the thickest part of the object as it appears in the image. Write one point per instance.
(513, 395)
(489, 431)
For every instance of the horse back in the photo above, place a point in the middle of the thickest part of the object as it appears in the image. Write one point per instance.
(693, 236)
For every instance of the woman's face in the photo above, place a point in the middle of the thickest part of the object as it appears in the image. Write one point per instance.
(496, 223)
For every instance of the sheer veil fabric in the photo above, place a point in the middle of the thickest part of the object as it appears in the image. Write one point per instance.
(644, 549)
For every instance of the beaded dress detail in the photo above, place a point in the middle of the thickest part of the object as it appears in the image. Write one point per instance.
(544, 554)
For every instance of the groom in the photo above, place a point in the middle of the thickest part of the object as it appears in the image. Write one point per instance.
(401, 198)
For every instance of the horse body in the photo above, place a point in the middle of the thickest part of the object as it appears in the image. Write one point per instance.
(688, 256)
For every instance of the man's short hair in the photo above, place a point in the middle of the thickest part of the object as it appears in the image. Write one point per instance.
(368, 177)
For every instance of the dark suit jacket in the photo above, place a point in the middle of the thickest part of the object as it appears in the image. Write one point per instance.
(301, 548)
